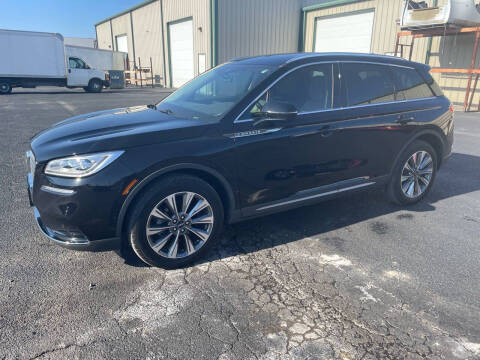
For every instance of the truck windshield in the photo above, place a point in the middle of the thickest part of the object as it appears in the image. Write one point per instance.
(214, 93)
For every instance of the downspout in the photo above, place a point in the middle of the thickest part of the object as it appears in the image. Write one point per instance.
(96, 38)
(301, 32)
(111, 34)
(213, 33)
(429, 43)
(133, 36)
(163, 46)
(304, 29)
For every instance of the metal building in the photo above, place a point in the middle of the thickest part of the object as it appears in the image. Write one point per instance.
(186, 37)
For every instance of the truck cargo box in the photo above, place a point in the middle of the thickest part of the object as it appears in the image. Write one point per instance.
(99, 59)
(31, 54)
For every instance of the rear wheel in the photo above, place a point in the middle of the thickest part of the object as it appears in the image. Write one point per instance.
(414, 174)
(175, 222)
(5, 88)
(94, 86)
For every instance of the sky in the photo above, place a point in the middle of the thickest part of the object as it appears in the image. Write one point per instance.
(67, 17)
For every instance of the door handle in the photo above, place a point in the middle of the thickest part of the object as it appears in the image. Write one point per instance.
(326, 131)
(404, 120)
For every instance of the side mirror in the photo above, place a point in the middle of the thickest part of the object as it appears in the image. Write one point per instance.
(276, 112)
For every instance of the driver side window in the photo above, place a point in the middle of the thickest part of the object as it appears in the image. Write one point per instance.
(76, 63)
(309, 88)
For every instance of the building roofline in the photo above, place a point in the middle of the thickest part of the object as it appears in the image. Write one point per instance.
(142, 4)
(328, 4)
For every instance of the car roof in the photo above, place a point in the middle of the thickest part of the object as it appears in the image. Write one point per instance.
(283, 59)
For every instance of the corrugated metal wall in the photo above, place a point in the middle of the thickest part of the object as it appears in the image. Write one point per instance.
(199, 10)
(147, 32)
(257, 27)
(104, 36)
(450, 52)
(121, 26)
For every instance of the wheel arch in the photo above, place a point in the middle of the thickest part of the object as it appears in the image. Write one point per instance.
(94, 78)
(209, 175)
(431, 137)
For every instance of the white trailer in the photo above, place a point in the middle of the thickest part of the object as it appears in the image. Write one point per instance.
(29, 59)
(99, 59)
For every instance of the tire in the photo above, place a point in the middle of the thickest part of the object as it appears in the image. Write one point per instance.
(409, 187)
(159, 197)
(94, 86)
(5, 88)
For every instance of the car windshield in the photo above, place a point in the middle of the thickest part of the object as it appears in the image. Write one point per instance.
(214, 93)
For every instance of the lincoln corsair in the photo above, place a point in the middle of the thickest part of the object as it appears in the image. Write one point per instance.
(248, 138)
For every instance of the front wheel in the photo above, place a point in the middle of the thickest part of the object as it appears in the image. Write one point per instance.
(94, 86)
(414, 174)
(5, 88)
(175, 222)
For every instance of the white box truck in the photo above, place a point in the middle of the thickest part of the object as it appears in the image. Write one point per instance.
(29, 59)
(98, 58)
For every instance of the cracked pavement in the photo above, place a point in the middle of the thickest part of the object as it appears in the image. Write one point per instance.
(351, 278)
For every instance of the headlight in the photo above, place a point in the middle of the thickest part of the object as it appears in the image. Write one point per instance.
(81, 165)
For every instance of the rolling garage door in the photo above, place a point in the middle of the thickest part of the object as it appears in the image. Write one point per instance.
(349, 33)
(181, 52)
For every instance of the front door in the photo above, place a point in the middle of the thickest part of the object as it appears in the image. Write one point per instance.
(78, 72)
(276, 160)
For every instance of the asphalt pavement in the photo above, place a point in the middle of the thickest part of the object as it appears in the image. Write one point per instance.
(351, 278)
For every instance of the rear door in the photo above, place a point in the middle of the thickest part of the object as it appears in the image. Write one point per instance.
(376, 121)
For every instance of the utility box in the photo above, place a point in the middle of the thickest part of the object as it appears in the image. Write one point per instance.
(117, 79)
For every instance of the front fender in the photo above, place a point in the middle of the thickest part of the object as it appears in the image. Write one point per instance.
(167, 170)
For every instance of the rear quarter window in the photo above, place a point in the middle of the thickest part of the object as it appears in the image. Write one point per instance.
(409, 84)
(433, 84)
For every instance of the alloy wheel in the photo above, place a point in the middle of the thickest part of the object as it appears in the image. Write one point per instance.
(417, 174)
(179, 225)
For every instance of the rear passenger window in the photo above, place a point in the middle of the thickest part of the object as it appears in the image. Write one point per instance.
(410, 84)
(367, 83)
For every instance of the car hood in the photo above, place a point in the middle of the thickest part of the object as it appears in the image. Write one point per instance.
(115, 129)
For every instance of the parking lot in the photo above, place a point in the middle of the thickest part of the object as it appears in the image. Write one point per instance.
(352, 278)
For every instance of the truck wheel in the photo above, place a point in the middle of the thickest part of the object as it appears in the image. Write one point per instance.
(95, 86)
(5, 88)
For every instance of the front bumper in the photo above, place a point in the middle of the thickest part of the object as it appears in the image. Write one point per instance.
(73, 243)
(80, 217)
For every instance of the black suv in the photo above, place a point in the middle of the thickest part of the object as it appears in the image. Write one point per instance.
(251, 137)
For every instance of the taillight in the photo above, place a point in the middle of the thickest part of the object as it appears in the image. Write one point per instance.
(451, 108)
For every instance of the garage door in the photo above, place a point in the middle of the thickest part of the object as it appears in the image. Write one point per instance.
(349, 33)
(181, 52)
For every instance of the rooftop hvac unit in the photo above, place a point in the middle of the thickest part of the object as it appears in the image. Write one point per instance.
(455, 13)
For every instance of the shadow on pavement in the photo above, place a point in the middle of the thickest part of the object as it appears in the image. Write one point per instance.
(459, 175)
